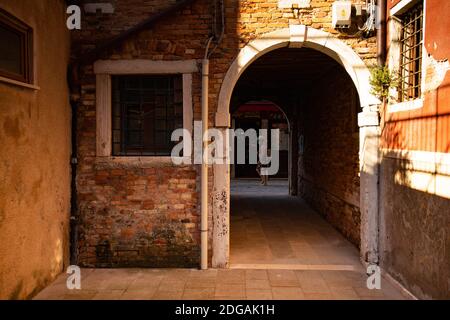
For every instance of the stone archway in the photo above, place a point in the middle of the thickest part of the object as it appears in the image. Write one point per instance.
(298, 36)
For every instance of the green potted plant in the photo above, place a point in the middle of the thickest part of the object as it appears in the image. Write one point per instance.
(382, 80)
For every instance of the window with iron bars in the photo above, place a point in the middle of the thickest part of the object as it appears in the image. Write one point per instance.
(410, 77)
(145, 112)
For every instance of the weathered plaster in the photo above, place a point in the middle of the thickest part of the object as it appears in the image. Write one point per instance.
(35, 158)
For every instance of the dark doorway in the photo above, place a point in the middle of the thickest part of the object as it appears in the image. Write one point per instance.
(247, 170)
(262, 115)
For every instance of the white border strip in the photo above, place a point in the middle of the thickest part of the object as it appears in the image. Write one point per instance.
(405, 106)
(402, 6)
(424, 171)
(436, 158)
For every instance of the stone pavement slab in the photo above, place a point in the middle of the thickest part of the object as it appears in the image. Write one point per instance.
(177, 284)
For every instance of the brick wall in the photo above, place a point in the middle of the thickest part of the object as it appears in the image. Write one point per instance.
(133, 214)
(138, 216)
(180, 36)
(328, 167)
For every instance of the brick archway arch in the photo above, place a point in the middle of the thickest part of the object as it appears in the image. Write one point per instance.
(298, 36)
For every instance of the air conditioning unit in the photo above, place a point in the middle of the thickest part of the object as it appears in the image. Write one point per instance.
(342, 14)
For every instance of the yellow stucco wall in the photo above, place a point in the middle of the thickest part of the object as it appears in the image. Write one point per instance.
(34, 158)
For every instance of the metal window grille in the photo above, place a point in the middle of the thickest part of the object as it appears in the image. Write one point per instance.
(146, 110)
(411, 54)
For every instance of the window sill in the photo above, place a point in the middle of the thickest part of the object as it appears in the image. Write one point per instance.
(405, 106)
(136, 162)
(19, 84)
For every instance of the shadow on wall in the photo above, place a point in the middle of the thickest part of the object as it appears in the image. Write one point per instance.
(414, 206)
(427, 170)
(329, 158)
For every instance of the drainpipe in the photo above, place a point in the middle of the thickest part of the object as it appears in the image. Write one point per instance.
(74, 102)
(382, 33)
(382, 56)
(73, 191)
(205, 125)
(369, 121)
(204, 171)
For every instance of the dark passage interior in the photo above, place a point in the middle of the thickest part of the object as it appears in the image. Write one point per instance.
(258, 115)
(286, 222)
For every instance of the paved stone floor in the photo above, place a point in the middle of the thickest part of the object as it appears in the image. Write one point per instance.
(280, 249)
(269, 227)
(231, 284)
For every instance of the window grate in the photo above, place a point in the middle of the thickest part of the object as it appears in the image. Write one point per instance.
(411, 54)
(146, 110)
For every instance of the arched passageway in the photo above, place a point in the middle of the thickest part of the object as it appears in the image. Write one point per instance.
(330, 48)
(296, 223)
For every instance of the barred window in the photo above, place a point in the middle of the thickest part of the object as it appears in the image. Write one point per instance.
(411, 54)
(145, 111)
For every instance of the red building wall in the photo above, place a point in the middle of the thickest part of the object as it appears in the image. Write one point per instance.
(427, 128)
(414, 186)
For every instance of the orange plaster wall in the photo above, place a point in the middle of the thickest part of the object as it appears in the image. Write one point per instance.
(428, 128)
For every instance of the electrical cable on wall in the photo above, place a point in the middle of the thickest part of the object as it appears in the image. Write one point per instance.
(370, 23)
(355, 29)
